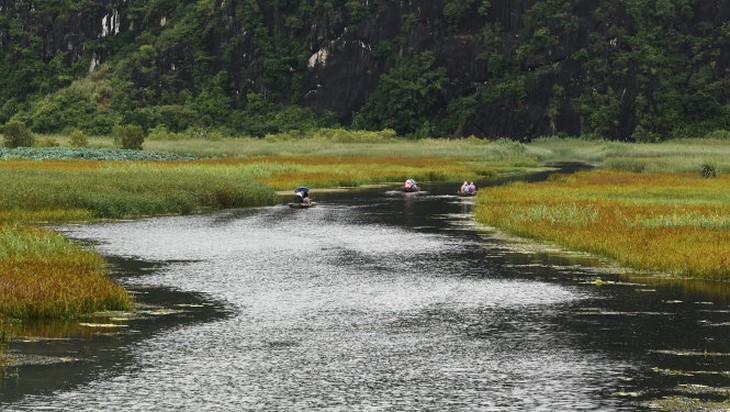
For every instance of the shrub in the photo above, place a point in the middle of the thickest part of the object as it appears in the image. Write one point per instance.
(17, 135)
(48, 142)
(128, 136)
(719, 134)
(161, 132)
(708, 170)
(78, 138)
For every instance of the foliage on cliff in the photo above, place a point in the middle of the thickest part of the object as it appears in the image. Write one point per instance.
(621, 69)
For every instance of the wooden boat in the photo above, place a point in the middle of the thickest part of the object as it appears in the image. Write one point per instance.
(410, 189)
(302, 205)
(466, 194)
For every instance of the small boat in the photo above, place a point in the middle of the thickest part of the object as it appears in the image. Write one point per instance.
(410, 189)
(302, 205)
(466, 194)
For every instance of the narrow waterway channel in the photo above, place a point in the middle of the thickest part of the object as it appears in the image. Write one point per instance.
(374, 300)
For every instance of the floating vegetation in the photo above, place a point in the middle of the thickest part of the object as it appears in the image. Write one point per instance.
(698, 389)
(634, 394)
(161, 312)
(600, 312)
(103, 325)
(674, 372)
(686, 404)
(19, 359)
(690, 353)
(46, 153)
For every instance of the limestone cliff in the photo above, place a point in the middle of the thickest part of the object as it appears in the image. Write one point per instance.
(620, 69)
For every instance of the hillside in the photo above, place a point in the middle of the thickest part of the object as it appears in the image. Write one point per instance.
(639, 70)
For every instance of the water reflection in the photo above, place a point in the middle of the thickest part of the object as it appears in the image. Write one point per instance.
(384, 301)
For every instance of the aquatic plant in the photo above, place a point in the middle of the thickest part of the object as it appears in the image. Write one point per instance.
(45, 153)
(45, 275)
(672, 223)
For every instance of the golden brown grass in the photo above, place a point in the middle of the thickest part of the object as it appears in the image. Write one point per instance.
(44, 275)
(674, 223)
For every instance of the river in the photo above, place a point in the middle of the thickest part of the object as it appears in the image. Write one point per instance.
(372, 300)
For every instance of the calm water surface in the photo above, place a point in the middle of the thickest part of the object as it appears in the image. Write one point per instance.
(372, 301)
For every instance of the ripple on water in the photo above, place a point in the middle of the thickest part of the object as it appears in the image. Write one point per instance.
(331, 313)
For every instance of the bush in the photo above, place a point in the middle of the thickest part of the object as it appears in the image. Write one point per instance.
(17, 134)
(48, 142)
(708, 170)
(128, 136)
(78, 138)
(719, 134)
(161, 132)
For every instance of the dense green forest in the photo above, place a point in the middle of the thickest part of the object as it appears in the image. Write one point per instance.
(634, 70)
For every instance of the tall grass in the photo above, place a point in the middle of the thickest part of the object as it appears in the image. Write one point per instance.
(337, 143)
(672, 223)
(675, 156)
(119, 190)
(325, 171)
(44, 275)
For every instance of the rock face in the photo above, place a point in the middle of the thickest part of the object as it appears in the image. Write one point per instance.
(621, 69)
(343, 81)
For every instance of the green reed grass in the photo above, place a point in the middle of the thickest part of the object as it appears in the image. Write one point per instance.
(690, 219)
(675, 156)
(337, 143)
(130, 189)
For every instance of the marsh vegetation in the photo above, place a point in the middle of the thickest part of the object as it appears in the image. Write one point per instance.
(672, 222)
(182, 174)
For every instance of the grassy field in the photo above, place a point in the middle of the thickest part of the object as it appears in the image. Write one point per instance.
(687, 155)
